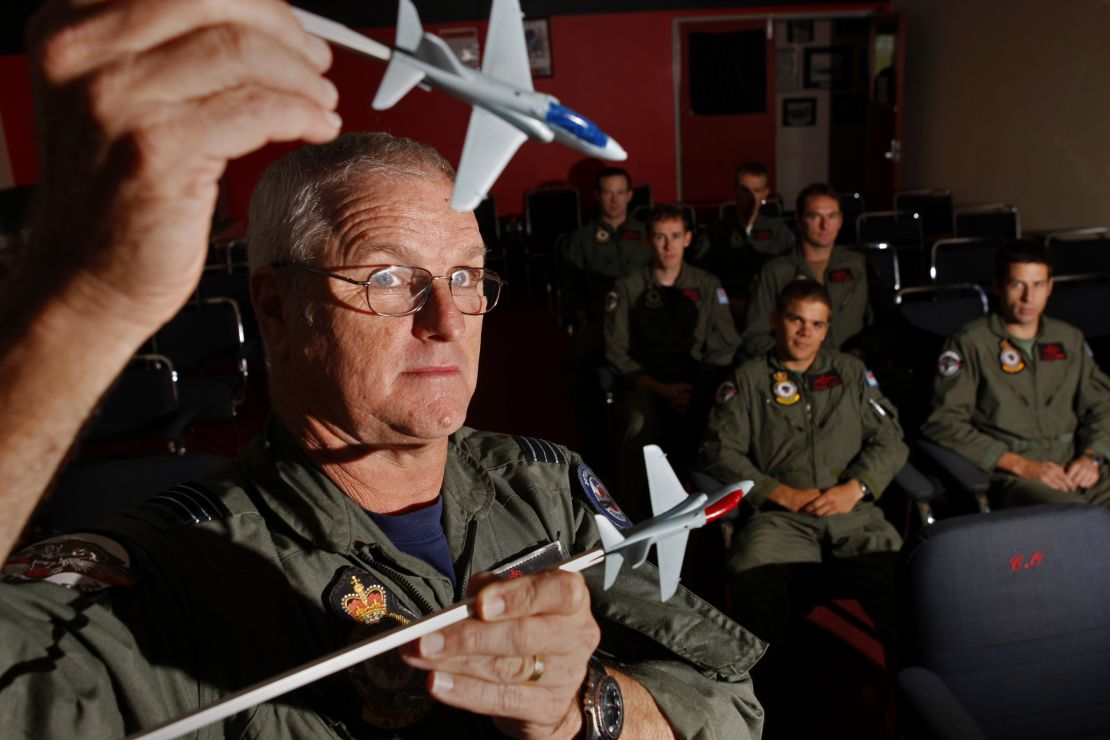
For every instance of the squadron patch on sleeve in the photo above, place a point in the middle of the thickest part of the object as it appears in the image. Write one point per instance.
(870, 378)
(612, 300)
(1009, 358)
(726, 391)
(600, 499)
(949, 363)
(722, 297)
(84, 561)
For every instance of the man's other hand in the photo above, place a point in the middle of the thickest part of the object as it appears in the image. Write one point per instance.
(836, 500)
(141, 106)
(1082, 472)
(487, 665)
(1048, 473)
(793, 499)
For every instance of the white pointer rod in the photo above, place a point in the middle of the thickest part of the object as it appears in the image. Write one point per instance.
(337, 33)
(332, 663)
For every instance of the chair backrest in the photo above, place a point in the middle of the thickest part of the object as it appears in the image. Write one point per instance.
(851, 206)
(935, 207)
(941, 310)
(772, 207)
(641, 196)
(1012, 611)
(963, 260)
(999, 220)
(901, 229)
(144, 395)
(691, 214)
(883, 260)
(1080, 252)
(1082, 301)
(550, 211)
(203, 335)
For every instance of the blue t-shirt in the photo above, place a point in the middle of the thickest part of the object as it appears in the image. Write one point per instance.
(420, 533)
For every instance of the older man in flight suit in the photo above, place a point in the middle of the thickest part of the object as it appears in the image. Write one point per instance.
(842, 272)
(669, 337)
(811, 428)
(1019, 394)
(366, 504)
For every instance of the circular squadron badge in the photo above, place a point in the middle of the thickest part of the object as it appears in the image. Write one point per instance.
(784, 389)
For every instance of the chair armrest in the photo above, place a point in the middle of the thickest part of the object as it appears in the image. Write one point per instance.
(970, 477)
(914, 484)
(935, 711)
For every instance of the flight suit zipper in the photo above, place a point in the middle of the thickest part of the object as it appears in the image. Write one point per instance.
(467, 558)
(403, 581)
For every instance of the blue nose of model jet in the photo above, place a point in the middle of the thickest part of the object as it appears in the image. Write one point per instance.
(576, 124)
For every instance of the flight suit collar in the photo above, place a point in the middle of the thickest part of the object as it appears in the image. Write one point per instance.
(821, 364)
(685, 279)
(629, 224)
(997, 326)
(837, 259)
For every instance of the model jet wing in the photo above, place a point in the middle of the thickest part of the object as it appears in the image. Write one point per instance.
(663, 485)
(490, 144)
(506, 52)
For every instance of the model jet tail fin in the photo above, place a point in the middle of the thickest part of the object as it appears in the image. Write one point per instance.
(401, 77)
(506, 51)
(663, 485)
(610, 538)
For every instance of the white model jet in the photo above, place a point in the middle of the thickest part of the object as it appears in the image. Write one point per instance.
(674, 514)
(507, 110)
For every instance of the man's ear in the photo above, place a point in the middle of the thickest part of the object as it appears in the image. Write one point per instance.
(270, 296)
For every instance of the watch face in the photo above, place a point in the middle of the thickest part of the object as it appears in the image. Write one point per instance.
(610, 705)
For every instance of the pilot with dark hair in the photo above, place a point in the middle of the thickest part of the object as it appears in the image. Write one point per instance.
(1019, 394)
(810, 427)
(842, 272)
(669, 337)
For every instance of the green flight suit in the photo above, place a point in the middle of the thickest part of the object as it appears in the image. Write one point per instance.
(678, 334)
(268, 564)
(846, 281)
(991, 396)
(595, 255)
(815, 429)
(736, 255)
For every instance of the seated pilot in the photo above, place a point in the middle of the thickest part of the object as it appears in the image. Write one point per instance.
(810, 427)
(842, 271)
(1019, 394)
(669, 337)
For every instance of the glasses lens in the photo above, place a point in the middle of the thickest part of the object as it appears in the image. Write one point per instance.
(475, 290)
(396, 291)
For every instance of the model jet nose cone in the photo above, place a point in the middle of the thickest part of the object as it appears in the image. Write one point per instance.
(614, 151)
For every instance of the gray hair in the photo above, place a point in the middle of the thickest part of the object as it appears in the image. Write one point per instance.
(293, 207)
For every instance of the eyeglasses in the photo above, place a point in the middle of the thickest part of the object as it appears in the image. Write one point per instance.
(394, 290)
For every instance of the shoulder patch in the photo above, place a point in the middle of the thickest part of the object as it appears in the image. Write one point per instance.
(722, 297)
(612, 301)
(600, 499)
(949, 363)
(84, 561)
(187, 503)
(726, 391)
(1087, 348)
(534, 449)
(869, 377)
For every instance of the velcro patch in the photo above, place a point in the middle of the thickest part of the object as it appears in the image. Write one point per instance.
(612, 300)
(762, 234)
(600, 499)
(540, 450)
(533, 561)
(870, 378)
(722, 297)
(631, 235)
(824, 381)
(726, 391)
(692, 294)
(1052, 351)
(84, 561)
(843, 275)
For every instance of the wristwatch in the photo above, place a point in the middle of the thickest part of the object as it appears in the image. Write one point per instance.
(602, 704)
(1098, 459)
(866, 491)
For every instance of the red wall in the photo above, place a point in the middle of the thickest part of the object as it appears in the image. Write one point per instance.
(616, 69)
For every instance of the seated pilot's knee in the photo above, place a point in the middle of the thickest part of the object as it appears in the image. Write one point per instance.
(772, 538)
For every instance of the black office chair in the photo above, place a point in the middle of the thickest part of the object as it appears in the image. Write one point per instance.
(883, 261)
(903, 231)
(641, 197)
(1007, 619)
(988, 220)
(935, 207)
(963, 260)
(942, 309)
(1080, 252)
(852, 206)
(548, 212)
(1082, 301)
(143, 404)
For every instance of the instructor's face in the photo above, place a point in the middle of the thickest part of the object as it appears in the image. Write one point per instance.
(382, 379)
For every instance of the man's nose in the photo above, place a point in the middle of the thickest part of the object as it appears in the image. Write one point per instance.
(440, 318)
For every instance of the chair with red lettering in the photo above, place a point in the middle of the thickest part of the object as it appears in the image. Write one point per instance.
(1008, 630)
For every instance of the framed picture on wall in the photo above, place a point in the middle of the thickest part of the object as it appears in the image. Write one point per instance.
(464, 42)
(799, 112)
(799, 32)
(537, 37)
(828, 67)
